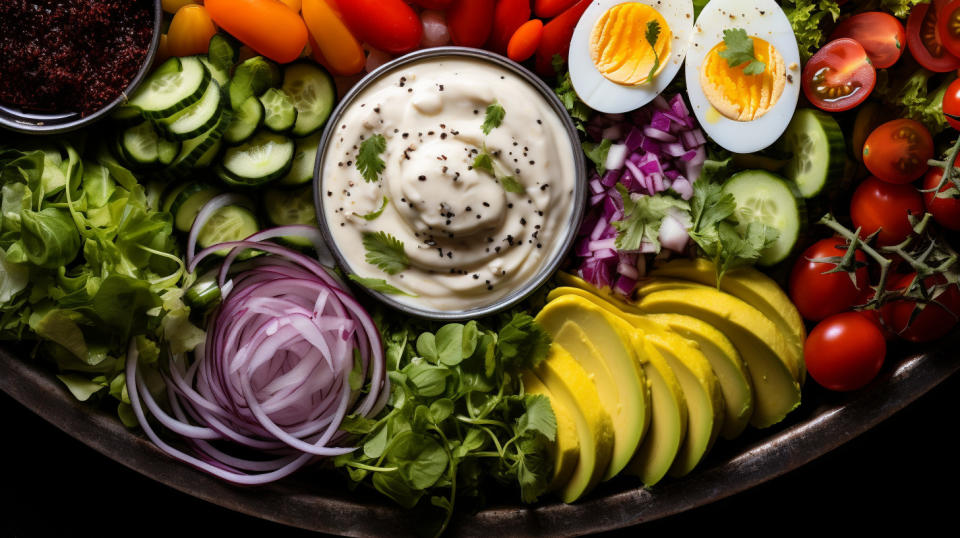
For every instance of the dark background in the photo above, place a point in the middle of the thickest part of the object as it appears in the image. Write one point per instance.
(905, 472)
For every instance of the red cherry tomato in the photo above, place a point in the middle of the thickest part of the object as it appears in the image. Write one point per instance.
(839, 76)
(555, 40)
(878, 205)
(898, 151)
(818, 294)
(470, 22)
(844, 352)
(880, 34)
(924, 40)
(524, 42)
(934, 321)
(946, 211)
(507, 17)
(948, 27)
(388, 25)
(951, 104)
(433, 4)
(266, 26)
(546, 9)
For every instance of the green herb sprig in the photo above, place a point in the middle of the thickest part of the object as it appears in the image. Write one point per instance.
(368, 160)
(652, 35)
(740, 51)
(386, 252)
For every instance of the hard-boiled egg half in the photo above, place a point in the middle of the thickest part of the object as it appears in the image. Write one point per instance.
(743, 73)
(625, 52)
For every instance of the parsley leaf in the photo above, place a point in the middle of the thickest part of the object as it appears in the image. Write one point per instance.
(510, 184)
(576, 108)
(378, 284)
(653, 33)
(539, 417)
(386, 252)
(740, 51)
(369, 162)
(484, 163)
(373, 215)
(598, 154)
(642, 218)
(522, 339)
(493, 118)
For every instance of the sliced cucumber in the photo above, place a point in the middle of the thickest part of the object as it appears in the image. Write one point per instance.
(230, 223)
(304, 161)
(139, 145)
(252, 77)
(195, 149)
(285, 207)
(264, 158)
(246, 120)
(175, 85)
(279, 112)
(221, 53)
(204, 294)
(313, 93)
(167, 151)
(816, 143)
(222, 77)
(126, 115)
(771, 200)
(197, 118)
(185, 203)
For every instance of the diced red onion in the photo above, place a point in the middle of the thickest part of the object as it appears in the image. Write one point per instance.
(683, 187)
(603, 244)
(657, 134)
(673, 235)
(596, 187)
(611, 177)
(616, 156)
(625, 285)
(605, 254)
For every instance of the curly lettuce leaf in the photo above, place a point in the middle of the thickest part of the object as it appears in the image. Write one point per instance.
(808, 18)
(917, 95)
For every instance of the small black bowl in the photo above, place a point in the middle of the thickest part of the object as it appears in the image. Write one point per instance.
(39, 123)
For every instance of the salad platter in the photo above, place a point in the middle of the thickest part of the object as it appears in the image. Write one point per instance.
(543, 267)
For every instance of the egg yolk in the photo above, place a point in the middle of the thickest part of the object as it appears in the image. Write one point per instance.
(619, 46)
(737, 95)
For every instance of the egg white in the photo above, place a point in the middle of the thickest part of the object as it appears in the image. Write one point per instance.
(603, 95)
(760, 18)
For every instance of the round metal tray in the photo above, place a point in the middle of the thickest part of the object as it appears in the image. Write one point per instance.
(824, 421)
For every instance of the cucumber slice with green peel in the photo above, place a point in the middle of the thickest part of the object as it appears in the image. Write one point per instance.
(279, 112)
(229, 223)
(198, 117)
(771, 200)
(172, 87)
(222, 77)
(312, 90)
(304, 161)
(286, 207)
(186, 203)
(193, 150)
(204, 294)
(221, 53)
(139, 145)
(265, 157)
(167, 151)
(126, 115)
(251, 78)
(246, 120)
(819, 155)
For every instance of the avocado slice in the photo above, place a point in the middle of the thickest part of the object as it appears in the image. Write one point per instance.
(566, 447)
(701, 389)
(570, 383)
(668, 425)
(734, 379)
(755, 289)
(601, 342)
(757, 339)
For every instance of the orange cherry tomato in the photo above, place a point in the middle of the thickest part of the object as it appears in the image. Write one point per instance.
(433, 4)
(507, 17)
(295, 5)
(266, 26)
(470, 22)
(556, 37)
(331, 38)
(898, 151)
(388, 25)
(524, 42)
(190, 31)
(163, 51)
(551, 8)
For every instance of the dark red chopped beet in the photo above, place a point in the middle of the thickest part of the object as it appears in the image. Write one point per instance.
(71, 55)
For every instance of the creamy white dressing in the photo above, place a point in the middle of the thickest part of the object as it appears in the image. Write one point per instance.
(469, 241)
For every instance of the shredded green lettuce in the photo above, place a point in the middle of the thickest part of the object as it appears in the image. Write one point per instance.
(917, 95)
(807, 17)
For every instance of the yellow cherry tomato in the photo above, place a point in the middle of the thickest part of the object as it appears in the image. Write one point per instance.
(332, 42)
(172, 6)
(190, 31)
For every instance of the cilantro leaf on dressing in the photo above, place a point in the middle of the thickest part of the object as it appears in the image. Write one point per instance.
(493, 118)
(368, 161)
(386, 252)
